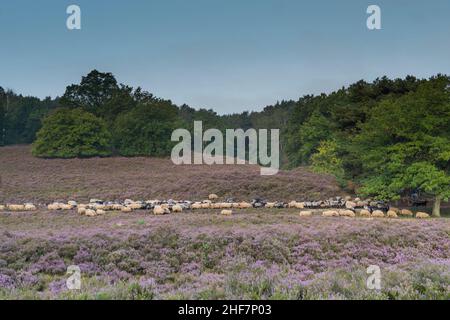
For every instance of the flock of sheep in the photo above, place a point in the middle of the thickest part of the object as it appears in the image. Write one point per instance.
(333, 207)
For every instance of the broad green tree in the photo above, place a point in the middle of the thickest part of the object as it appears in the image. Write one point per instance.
(72, 133)
(405, 144)
(94, 91)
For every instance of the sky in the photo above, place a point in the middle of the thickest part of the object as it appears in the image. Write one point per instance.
(228, 55)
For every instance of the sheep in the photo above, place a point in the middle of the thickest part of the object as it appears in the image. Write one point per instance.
(72, 203)
(64, 206)
(406, 212)
(135, 205)
(292, 204)
(90, 213)
(158, 210)
(364, 213)
(270, 205)
(350, 205)
(396, 210)
(117, 207)
(305, 213)
(205, 205)
(422, 215)
(15, 207)
(213, 196)
(2, 207)
(226, 212)
(378, 214)
(226, 205)
(196, 205)
(177, 208)
(392, 214)
(330, 213)
(346, 213)
(100, 212)
(235, 205)
(97, 206)
(126, 209)
(53, 206)
(217, 205)
(30, 207)
(300, 205)
(81, 211)
(244, 205)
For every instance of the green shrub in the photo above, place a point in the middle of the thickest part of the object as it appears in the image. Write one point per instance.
(71, 133)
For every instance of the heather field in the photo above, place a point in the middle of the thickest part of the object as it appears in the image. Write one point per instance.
(24, 178)
(254, 254)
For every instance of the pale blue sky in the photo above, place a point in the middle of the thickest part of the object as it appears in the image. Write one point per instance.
(229, 55)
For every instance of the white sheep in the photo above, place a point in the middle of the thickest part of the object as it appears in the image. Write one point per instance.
(15, 207)
(226, 212)
(177, 208)
(158, 210)
(422, 215)
(30, 207)
(378, 214)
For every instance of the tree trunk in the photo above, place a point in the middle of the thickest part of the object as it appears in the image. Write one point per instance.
(437, 207)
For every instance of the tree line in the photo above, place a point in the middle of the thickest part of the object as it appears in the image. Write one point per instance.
(383, 138)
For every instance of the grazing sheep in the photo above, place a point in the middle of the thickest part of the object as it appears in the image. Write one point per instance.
(117, 207)
(235, 205)
(126, 209)
(206, 205)
(226, 212)
(378, 214)
(216, 205)
(299, 205)
(53, 206)
(226, 205)
(346, 213)
(422, 215)
(364, 213)
(15, 207)
(406, 212)
(177, 208)
(100, 212)
(30, 207)
(90, 213)
(330, 213)
(66, 207)
(196, 205)
(213, 196)
(81, 211)
(396, 210)
(292, 204)
(392, 214)
(305, 214)
(135, 205)
(270, 205)
(2, 207)
(158, 210)
(72, 203)
(350, 205)
(244, 205)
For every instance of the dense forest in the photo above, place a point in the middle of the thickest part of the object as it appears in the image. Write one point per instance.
(382, 138)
